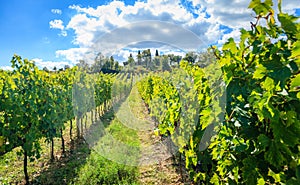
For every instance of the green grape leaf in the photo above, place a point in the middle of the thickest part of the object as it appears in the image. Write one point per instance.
(215, 179)
(250, 174)
(296, 52)
(260, 72)
(291, 133)
(230, 45)
(287, 23)
(277, 153)
(295, 83)
(268, 84)
(261, 8)
(263, 140)
(275, 176)
(261, 181)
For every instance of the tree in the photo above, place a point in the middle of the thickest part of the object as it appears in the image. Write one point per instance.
(112, 61)
(130, 59)
(146, 55)
(83, 65)
(165, 63)
(205, 58)
(117, 66)
(46, 69)
(156, 53)
(67, 67)
(139, 58)
(190, 57)
(149, 55)
(98, 63)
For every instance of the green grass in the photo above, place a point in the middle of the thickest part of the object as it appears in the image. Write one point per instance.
(113, 158)
(100, 170)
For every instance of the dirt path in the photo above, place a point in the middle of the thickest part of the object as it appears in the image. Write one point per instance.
(156, 163)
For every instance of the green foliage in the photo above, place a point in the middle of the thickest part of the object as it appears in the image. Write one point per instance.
(36, 104)
(182, 104)
(261, 77)
(258, 142)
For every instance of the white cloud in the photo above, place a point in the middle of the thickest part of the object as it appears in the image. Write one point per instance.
(58, 24)
(84, 28)
(122, 55)
(50, 64)
(234, 14)
(289, 6)
(63, 33)
(73, 54)
(235, 34)
(40, 63)
(56, 11)
(6, 68)
(212, 21)
(214, 32)
(91, 24)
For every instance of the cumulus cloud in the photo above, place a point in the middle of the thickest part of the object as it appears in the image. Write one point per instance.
(289, 6)
(56, 11)
(158, 32)
(73, 54)
(50, 64)
(58, 24)
(85, 29)
(90, 23)
(123, 54)
(235, 34)
(235, 13)
(212, 21)
(93, 25)
(6, 68)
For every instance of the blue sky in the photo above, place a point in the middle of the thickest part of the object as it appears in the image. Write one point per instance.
(60, 32)
(25, 29)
